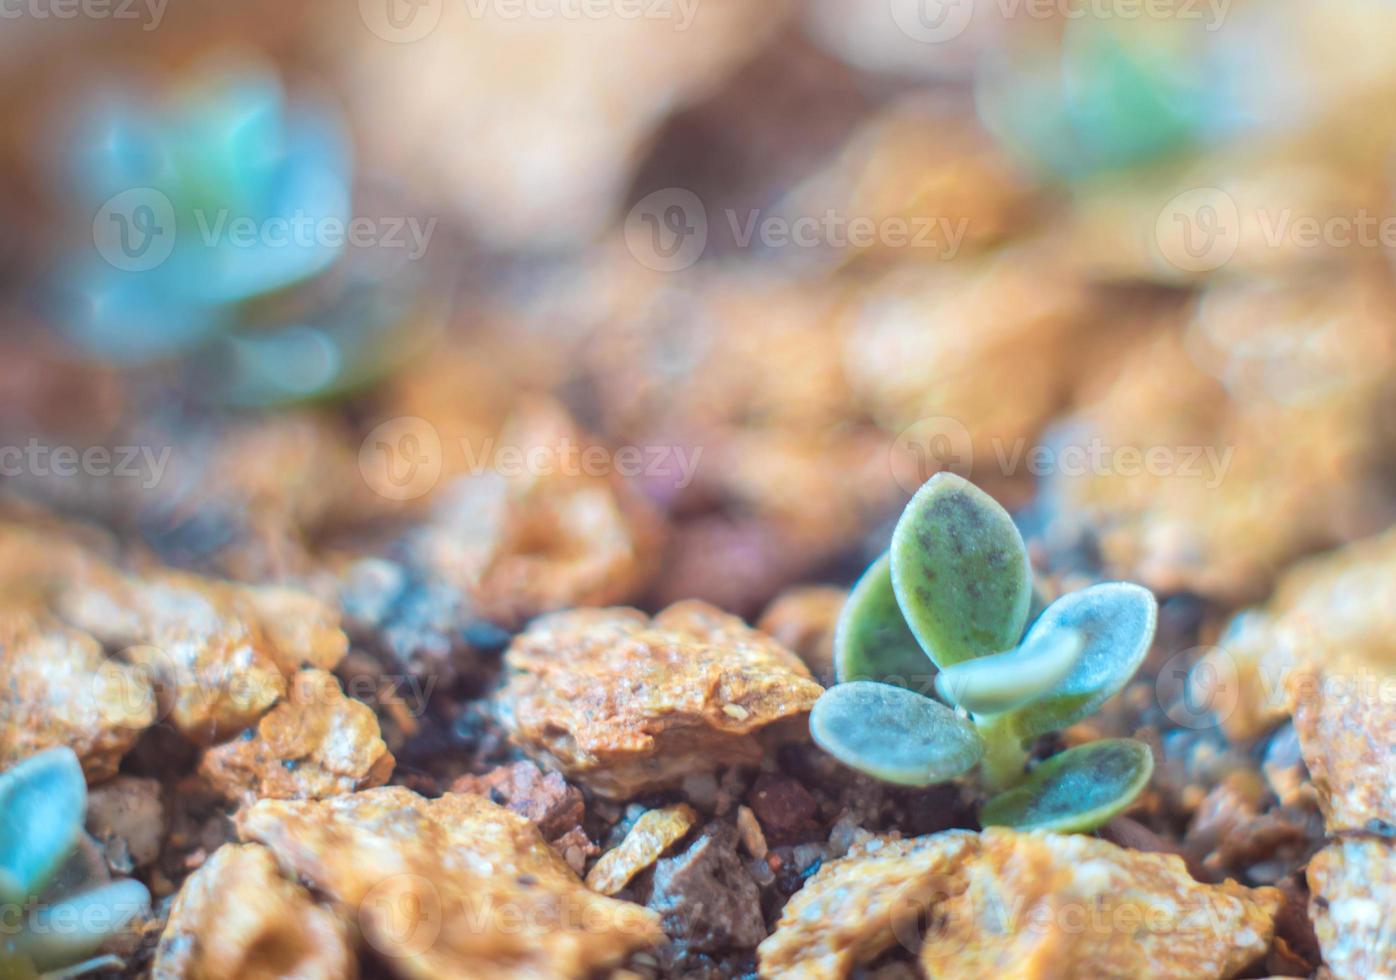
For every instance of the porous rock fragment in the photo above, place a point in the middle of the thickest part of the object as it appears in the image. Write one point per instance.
(220, 652)
(314, 744)
(1353, 906)
(1010, 904)
(544, 798)
(1243, 453)
(622, 703)
(649, 838)
(1322, 651)
(238, 918)
(1345, 717)
(456, 886)
(127, 817)
(516, 540)
(60, 688)
(708, 900)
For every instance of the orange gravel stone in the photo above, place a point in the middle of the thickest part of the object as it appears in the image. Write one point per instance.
(316, 743)
(222, 651)
(803, 619)
(1021, 905)
(1353, 906)
(60, 688)
(237, 918)
(455, 886)
(623, 704)
(651, 836)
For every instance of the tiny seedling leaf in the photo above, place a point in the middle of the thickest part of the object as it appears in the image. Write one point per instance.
(98, 913)
(1077, 790)
(873, 642)
(1004, 681)
(1117, 620)
(960, 571)
(43, 801)
(894, 734)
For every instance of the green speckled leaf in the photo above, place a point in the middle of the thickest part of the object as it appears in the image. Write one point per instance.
(1118, 621)
(1077, 790)
(873, 642)
(43, 801)
(960, 571)
(1004, 681)
(894, 734)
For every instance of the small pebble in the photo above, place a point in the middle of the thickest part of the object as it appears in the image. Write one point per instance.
(752, 838)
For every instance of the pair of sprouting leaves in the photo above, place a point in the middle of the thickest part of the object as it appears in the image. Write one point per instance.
(948, 605)
(43, 803)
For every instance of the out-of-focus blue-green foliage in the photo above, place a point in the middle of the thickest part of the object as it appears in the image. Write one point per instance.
(217, 196)
(43, 801)
(1111, 94)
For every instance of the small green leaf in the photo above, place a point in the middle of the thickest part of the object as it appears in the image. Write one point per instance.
(960, 571)
(894, 734)
(1118, 621)
(1077, 790)
(1004, 681)
(873, 642)
(75, 928)
(43, 801)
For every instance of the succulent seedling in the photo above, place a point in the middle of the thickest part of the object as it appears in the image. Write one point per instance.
(48, 930)
(947, 609)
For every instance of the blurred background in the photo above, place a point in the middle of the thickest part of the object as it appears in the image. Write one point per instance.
(540, 303)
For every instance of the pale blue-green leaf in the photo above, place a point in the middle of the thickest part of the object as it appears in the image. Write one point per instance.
(1075, 791)
(894, 734)
(1004, 681)
(43, 801)
(1118, 620)
(73, 929)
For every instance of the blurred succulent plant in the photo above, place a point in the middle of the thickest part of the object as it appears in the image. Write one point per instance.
(947, 606)
(208, 208)
(1104, 95)
(48, 926)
